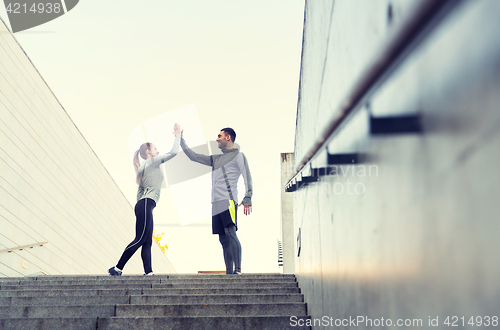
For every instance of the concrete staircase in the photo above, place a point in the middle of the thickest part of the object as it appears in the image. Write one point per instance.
(198, 301)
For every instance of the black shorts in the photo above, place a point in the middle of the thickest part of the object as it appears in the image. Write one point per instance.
(224, 219)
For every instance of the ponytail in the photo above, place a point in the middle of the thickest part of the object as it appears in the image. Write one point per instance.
(142, 151)
(136, 163)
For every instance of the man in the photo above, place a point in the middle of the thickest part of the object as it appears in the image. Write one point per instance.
(226, 170)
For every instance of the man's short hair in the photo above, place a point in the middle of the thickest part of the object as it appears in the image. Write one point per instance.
(229, 131)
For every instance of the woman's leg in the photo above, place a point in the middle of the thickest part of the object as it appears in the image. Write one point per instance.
(140, 232)
(146, 247)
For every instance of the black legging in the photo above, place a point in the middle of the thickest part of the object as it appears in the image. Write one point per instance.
(231, 248)
(143, 235)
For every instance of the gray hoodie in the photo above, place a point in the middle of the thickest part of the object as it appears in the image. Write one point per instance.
(235, 164)
(151, 175)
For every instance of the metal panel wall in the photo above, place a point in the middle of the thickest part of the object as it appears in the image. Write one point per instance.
(53, 188)
(410, 232)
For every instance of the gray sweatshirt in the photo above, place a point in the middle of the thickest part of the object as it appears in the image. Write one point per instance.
(235, 164)
(151, 175)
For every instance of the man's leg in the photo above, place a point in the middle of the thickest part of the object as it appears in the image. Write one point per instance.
(235, 246)
(228, 255)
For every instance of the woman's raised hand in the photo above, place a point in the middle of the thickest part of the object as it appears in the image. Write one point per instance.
(177, 129)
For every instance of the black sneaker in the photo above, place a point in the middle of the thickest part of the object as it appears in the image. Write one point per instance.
(113, 272)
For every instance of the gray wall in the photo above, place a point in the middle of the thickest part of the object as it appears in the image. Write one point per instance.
(53, 188)
(413, 230)
(287, 228)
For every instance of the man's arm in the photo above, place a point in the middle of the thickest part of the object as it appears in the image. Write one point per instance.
(247, 178)
(199, 158)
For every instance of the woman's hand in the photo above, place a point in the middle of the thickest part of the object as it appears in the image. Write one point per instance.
(177, 129)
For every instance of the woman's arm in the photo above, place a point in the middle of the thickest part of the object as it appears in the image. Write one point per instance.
(171, 154)
(160, 159)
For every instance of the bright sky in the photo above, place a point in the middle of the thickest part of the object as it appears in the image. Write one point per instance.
(114, 65)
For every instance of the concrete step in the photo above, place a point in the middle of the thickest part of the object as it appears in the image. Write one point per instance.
(211, 310)
(157, 323)
(78, 287)
(119, 280)
(148, 299)
(64, 301)
(192, 301)
(147, 278)
(168, 291)
(202, 322)
(77, 282)
(228, 309)
(215, 299)
(253, 275)
(57, 311)
(197, 285)
(62, 293)
(49, 324)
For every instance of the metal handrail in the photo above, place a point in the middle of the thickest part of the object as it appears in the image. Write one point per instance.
(425, 13)
(23, 247)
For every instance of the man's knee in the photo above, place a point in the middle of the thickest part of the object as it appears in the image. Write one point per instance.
(230, 230)
(223, 239)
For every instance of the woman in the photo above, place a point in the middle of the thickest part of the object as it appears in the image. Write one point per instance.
(149, 178)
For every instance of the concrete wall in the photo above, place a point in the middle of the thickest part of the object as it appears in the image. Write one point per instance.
(53, 188)
(287, 229)
(411, 232)
(340, 39)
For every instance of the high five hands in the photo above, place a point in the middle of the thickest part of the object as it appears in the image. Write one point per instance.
(177, 129)
(247, 209)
